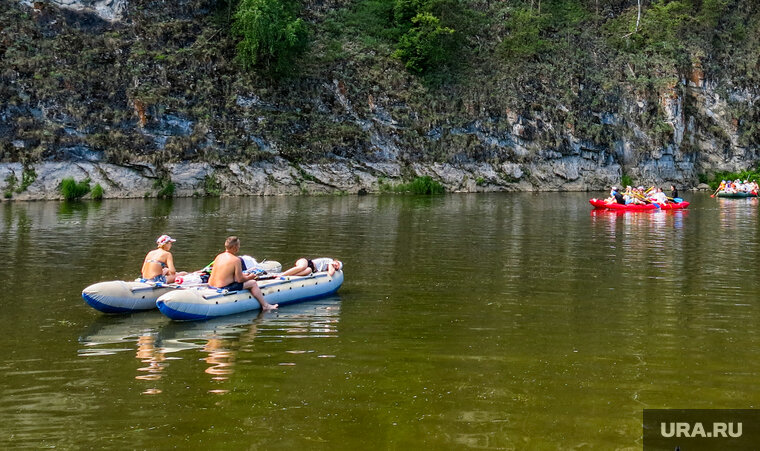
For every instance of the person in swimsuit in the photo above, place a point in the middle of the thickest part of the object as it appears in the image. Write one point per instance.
(305, 266)
(227, 273)
(159, 263)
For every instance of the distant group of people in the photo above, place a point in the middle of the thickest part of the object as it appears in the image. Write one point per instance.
(738, 186)
(639, 195)
(227, 270)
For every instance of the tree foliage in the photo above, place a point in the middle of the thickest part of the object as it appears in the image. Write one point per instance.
(271, 34)
(424, 47)
(524, 39)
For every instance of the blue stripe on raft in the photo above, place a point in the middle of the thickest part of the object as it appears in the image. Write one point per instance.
(177, 314)
(105, 308)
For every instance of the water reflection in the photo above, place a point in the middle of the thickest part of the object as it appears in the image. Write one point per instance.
(221, 357)
(110, 334)
(735, 213)
(79, 209)
(153, 356)
(640, 227)
(157, 341)
(475, 309)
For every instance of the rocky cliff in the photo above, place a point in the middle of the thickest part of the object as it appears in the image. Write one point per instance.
(133, 93)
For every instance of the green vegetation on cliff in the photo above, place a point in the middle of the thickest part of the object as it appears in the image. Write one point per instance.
(72, 190)
(270, 34)
(222, 81)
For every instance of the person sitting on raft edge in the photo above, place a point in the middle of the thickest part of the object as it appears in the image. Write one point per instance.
(159, 263)
(227, 273)
(305, 266)
(617, 196)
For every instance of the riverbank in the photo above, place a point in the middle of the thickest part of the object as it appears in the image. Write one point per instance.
(279, 177)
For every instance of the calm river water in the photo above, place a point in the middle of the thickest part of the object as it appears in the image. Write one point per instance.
(519, 321)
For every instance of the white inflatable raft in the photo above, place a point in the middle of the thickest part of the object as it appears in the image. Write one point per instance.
(118, 296)
(205, 303)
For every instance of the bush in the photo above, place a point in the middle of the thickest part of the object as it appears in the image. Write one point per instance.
(27, 178)
(211, 186)
(72, 190)
(424, 46)
(524, 38)
(272, 35)
(165, 187)
(97, 192)
(10, 181)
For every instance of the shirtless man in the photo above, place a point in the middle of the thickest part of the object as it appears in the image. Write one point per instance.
(227, 273)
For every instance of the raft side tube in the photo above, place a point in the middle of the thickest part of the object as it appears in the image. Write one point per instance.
(118, 296)
(195, 304)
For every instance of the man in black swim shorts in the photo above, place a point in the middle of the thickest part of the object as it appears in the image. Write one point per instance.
(227, 273)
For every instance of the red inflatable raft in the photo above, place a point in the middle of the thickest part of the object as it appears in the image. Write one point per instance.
(601, 203)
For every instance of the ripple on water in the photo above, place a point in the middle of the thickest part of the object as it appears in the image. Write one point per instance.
(496, 320)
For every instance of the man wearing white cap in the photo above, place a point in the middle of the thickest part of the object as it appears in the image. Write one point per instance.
(159, 263)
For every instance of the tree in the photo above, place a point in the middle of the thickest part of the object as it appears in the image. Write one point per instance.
(272, 34)
(423, 47)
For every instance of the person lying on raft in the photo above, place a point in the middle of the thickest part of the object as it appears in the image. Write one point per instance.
(227, 273)
(159, 263)
(305, 266)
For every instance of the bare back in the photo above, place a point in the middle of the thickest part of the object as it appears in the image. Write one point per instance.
(225, 270)
(156, 261)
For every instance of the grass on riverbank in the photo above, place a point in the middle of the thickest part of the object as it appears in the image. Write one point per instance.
(71, 189)
(420, 185)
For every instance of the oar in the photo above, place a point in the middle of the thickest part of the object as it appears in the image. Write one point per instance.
(717, 190)
(641, 197)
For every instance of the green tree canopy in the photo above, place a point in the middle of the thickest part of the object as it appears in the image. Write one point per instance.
(423, 47)
(272, 34)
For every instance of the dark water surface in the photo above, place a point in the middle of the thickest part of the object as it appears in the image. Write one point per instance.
(466, 321)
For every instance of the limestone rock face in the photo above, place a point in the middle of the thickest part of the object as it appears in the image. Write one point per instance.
(372, 135)
(110, 10)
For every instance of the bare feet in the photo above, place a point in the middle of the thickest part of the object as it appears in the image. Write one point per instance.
(267, 307)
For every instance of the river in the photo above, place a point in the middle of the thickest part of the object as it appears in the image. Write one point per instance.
(502, 320)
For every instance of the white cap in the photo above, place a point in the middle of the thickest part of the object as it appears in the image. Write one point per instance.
(163, 239)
